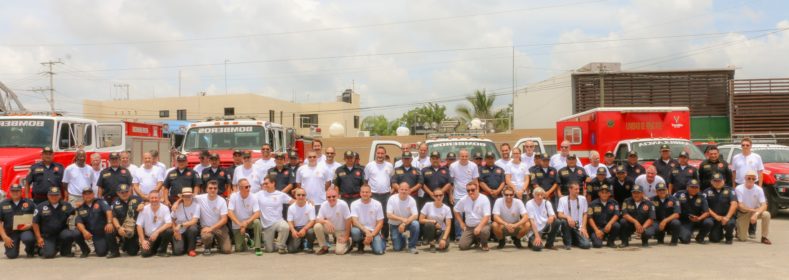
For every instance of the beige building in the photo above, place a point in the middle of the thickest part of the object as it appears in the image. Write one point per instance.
(305, 117)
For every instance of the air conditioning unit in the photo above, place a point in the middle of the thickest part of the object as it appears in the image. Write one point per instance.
(363, 134)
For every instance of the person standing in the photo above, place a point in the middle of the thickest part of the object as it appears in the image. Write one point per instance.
(422, 159)
(463, 172)
(154, 227)
(14, 207)
(517, 175)
(681, 174)
(112, 177)
(492, 178)
(333, 219)
(213, 220)
(95, 168)
(437, 220)
(528, 153)
(284, 179)
(752, 207)
(593, 188)
(147, 178)
(475, 226)
(314, 179)
(436, 177)
(266, 161)
(76, 178)
(216, 172)
(505, 159)
(368, 220)
(665, 163)
(317, 147)
(544, 176)
(50, 225)
(746, 161)
(510, 218)
(180, 177)
(44, 175)
(621, 184)
(402, 213)
(559, 160)
(248, 171)
(379, 175)
(633, 168)
(571, 173)
(594, 164)
(205, 162)
(572, 211)
(349, 179)
(714, 164)
(330, 164)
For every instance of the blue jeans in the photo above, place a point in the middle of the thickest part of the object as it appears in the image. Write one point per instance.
(379, 246)
(398, 240)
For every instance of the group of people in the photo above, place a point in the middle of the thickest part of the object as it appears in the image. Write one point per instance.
(287, 207)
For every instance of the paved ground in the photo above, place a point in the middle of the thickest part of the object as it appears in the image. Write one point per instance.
(682, 262)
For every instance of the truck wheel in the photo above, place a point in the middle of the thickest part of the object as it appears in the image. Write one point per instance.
(772, 205)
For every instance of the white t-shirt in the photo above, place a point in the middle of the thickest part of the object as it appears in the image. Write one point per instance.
(336, 215)
(253, 175)
(461, 176)
(147, 178)
(379, 176)
(503, 163)
(78, 178)
(558, 161)
(321, 160)
(368, 214)
(439, 214)
(313, 180)
(650, 190)
(243, 208)
(540, 213)
(301, 215)
(211, 211)
(270, 205)
(132, 168)
(592, 170)
(95, 177)
(528, 160)
(751, 198)
(185, 214)
(401, 208)
(475, 210)
(510, 214)
(573, 208)
(198, 169)
(151, 221)
(519, 173)
(422, 162)
(742, 164)
(265, 164)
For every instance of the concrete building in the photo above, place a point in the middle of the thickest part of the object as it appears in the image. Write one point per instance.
(305, 117)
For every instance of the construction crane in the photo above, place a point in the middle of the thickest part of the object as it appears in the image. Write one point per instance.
(6, 96)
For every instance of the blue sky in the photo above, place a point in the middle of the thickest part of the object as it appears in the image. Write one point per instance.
(393, 52)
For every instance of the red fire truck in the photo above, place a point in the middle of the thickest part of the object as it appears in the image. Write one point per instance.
(621, 130)
(23, 136)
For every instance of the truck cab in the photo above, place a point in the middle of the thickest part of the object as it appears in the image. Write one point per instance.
(649, 150)
(441, 145)
(775, 175)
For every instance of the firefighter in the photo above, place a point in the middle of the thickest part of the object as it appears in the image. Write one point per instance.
(603, 215)
(50, 225)
(112, 177)
(216, 172)
(284, 179)
(667, 212)
(125, 209)
(294, 162)
(593, 188)
(638, 215)
(349, 178)
(665, 163)
(180, 177)
(43, 176)
(695, 214)
(681, 174)
(621, 184)
(16, 206)
(408, 174)
(713, 164)
(492, 177)
(436, 177)
(723, 205)
(572, 173)
(633, 168)
(94, 222)
(544, 176)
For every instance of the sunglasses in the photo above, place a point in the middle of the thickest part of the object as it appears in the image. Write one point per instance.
(439, 195)
(301, 194)
(529, 146)
(245, 187)
(312, 157)
(565, 147)
(750, 179)
(471, 190)
(331, 196)
(509, 194)
(330, 153)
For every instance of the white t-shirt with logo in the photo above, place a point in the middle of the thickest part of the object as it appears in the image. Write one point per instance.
(151, 221)
(252, 174)
(510, 214)
(147, 178)
(461, 176)
(475, 210)
(518, 173)
(185, 214)
(379, 176)
(438, 214)
(243, 208)
(573, 208)
(301, 215)
(751, 198)
(368, 214)
(649, 189)
(313, 180)
(270, 205)
(401, 208)
(78, 178)
(265, 164)
(742, 164)
(336, 215)
(540, 213)
(211, 211)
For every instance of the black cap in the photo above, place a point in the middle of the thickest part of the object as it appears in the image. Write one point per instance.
(632, 154)
(605, 188)
(238, 152)
(349, 154)
(620, 169)
(123, 188)
(54, 191)
(609, 154)
(247, 154)
(435, 154)
(490, 155)
(572, 157)
(46, 149)
(180, 158)
(293, 155)
(406, 155)
(205, 154)
(717, 176)
(15, 187)
(87, 190)
(115, 156)
(636, 188)
(545, 156)
(665, 147)
(683, 154)
(213, 156)
(693, 183)
(602, 171)
(537, 156)
(279, 155)
(661, 186)
(477, 155)
(451, 155)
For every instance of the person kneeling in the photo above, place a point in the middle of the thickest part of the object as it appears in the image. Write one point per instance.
(475, 227)
(510, 218)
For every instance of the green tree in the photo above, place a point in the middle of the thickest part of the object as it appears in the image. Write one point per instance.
(481, 107)
(429, 113)
(379, 125)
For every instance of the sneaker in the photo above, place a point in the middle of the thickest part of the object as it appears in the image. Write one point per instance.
(207, 252)
(610, 245)
(113, 255)
(501, 244)
(701, 241)
(348, 249)
(413, 251)
(322, 251)
(258, 252)
(432, 248)
(766, 241)
(485, 247)
(283, 251)
(752, 235)
(517, 243)
(192, 253)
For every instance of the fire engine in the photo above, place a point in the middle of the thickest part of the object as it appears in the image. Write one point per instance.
(442, 145)
(23, 137)
(621, 130)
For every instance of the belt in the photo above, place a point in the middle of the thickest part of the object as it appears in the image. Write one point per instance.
(350, 195)
(38, 195)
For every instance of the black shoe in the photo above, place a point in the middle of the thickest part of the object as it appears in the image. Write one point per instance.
(660, 241)
(567, 247)
(84, 254)
(162, 254)
(624, 245)
(501, 244)
(610, 245)
(113, 255)
(360, 250)
(701, 241)
(69, 255)
(517, 243)
(728, 241)
(645, 243)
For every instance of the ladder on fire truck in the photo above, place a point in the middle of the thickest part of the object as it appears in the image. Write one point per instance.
(6, 96)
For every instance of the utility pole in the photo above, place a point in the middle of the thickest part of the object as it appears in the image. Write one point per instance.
(51, 82)
(512, 112)
(226, 61)
(123, 86)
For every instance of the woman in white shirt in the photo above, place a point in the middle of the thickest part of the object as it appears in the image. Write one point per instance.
(437, 219)
(518, 175)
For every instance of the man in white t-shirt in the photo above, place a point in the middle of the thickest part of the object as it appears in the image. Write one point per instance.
(244, 211)
(367, 215)
(475, 226)
(154, 227)
(437, 220)
(510, 218)
(266, 160)
(333, 219)
(126, 162)
(155, 156)
(752, 208)
(746, 161)
(594, 164)
(205, 162)
(213, 220)
(95, 167)
(250, 172)
(301, 219)
(330, 164)
(423, 160)
(76, 178)
(402, 213)
(649, 182)
(379, 175)
(504, 161)
(544, 226)
(271, 203)
(317, 147)
(147, 178)
(462, 172)
(314, 179)
(185, 228)
(528, 153)
(559, 160)
(572, 213)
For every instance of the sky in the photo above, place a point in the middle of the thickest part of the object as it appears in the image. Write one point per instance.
(396, 54)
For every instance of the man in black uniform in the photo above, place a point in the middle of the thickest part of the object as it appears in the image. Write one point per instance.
(284, 179)
(544, 176)
(349, 179)
(603, 216)
(571, 173)
(451, 157)
(610, 162)
(409, 174)
(695, 214)
(638, 215)
(293, 162)
(667, 212)
(681, 174)
(593, 188)
(714, 164)
(127, 206)
(218, 173)
(43, 176)
(50, 225)
(477, 159)
(94, 222)
(665, 163)
(180, 177)
(723, 205)
(491, 178)
(621, 184)
(111, 177)
(436, 177)
(633, 168)
(16, 206)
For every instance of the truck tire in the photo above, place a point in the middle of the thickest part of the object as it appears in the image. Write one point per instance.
(772, 204)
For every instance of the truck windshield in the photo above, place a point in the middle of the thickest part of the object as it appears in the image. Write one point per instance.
(650, 150)
(445, 147)
(25, 133)
(770, 155)
(224, 138)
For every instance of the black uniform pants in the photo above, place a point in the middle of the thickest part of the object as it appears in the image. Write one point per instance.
(130, 245)
(25, 237)
(610, 236)
(102, 243)
(720, 230)
(383, 198)
(61, 241)
(672, 227)
(627, 229)
(159, 245)
(686, 230)
(188, 241)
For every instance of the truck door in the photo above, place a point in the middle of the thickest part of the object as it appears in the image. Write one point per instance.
(74, 135)
(110, 137)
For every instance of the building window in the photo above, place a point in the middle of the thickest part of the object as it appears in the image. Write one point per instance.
(356, 122)
(308, 120)
(181, 114)
(271, 115)
(230, 111)
(164, 113)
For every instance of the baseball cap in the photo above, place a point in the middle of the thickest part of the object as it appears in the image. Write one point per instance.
(490, 155)
(605, 188)
(124, 188)
(247, 154)
(237, 152)
(717, 176)
(572, 156)
(451, 155)
(115, 156)
(665, 147)
(537, 156)
(661, 186)
(214, 156)
(637, 188)
(87, 190)
(620, 169)
(348, 154)
(683, 154)
(181, 158)
(205, 154)
(632, 154)
(46, 149)
(602, 171)
(54, 191)
(609, 153)
(15, 187)
(406, 155)
(477, 155)
(693, 183)
(435, 154)
(293, 155)
(545, 156)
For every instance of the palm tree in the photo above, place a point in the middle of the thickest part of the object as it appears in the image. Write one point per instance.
(482, 108)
